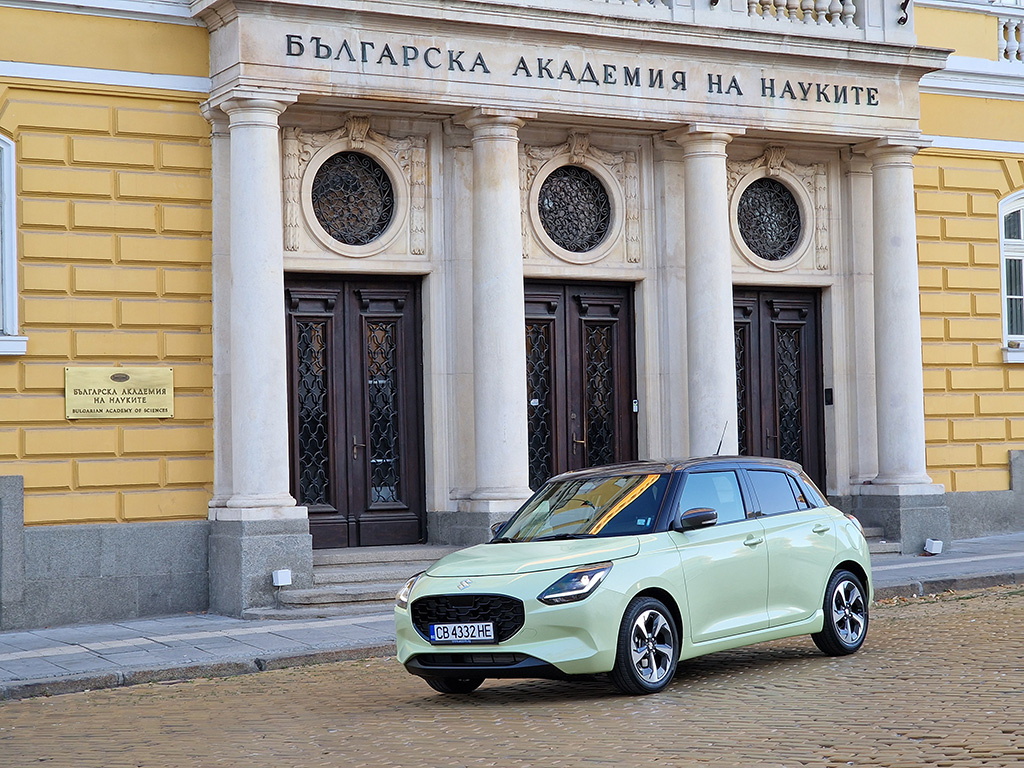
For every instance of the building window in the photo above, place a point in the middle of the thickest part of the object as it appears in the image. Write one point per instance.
(575, 209)
(10, 342)
(768, 218)
(1013, 279)
(353, 198)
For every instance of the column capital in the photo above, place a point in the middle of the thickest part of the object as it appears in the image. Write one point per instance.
(252, 107)
(490, 118)
(215, 116)
(702, 134)
(892, 148)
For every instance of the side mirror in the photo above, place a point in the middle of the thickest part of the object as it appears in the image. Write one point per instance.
(701, 517)
(497, 527)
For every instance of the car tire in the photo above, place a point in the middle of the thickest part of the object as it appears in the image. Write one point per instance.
(846, 615)
(454, 684)
(648, 648)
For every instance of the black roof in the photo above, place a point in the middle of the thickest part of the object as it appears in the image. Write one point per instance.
(652, 466)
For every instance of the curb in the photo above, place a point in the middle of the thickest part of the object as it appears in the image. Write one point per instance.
(94, 681)
(953, 584)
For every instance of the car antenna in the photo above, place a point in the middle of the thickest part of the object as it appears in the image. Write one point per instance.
(722, 440)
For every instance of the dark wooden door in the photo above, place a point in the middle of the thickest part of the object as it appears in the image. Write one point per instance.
(356, 409)
(581, 376)
(779, 377)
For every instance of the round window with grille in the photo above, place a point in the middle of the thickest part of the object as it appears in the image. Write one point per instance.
(768, 219)
(574, 209)
(353, 198)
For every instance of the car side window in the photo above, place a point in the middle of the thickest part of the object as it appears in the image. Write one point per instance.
(774, 491)
(719, 491)
(802, 502)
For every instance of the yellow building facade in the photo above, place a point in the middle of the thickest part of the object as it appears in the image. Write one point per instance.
(157, 167)
(108, 203)
(967, 183)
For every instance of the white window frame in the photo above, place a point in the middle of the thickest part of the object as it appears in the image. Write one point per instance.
(10, 342)
(1013, 345)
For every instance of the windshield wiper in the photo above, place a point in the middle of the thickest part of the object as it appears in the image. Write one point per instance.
(559, 536)
(502, 540)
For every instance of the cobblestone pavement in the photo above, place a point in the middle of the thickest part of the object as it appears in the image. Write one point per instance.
(940, 682)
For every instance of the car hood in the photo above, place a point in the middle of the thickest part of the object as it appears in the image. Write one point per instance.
(530, 556)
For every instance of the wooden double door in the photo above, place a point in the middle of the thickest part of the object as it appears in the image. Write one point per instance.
(581, 376)
(356, 408)
(780, 399)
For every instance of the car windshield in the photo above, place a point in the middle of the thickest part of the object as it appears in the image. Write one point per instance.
(610, 505)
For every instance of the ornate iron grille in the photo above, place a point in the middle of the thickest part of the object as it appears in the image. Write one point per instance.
(787, 384)
(768, 218)
(538, 392)
(313, 444)
(600, 394)
(507, 613)
(383, 446)
(353, 198)
(574, 209)
(741, 388)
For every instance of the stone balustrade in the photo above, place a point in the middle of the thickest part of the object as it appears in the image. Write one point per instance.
(876, 20)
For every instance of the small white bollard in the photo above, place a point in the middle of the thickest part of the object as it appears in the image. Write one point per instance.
(933, 546)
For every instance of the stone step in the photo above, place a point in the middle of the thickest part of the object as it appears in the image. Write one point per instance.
(874, 533)
(398, 573)
(883, 547)
(340, 594)
(380, 555)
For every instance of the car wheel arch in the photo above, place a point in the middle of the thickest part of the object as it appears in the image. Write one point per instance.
(853, 567)
(668, 600)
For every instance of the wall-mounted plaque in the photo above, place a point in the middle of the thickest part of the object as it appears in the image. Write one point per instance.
(118, 393)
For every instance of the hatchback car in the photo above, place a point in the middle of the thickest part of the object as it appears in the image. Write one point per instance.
(627, 569)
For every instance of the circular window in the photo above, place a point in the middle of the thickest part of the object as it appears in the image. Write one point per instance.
(353, 199)
(574, 209)
(768, 218)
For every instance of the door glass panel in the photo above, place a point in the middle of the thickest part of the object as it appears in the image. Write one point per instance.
(538, 393)
(313, 443)
(741, 388)
(600, 394)
(789, 375)
(383, 445)
(719, 491)
(773, 491)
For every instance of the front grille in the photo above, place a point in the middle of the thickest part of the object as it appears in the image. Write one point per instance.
(471, 659)
(507, 613)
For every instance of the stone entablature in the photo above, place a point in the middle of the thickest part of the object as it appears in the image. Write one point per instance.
(460, 57)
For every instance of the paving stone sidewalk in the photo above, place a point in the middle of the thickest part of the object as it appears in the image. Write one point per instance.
(68, 659)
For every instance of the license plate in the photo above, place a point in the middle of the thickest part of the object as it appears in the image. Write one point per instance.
(477, 632)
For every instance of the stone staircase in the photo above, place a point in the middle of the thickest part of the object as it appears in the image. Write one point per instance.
(877, 544)
(352, 582)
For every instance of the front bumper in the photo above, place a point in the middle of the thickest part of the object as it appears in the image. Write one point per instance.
(554, 641)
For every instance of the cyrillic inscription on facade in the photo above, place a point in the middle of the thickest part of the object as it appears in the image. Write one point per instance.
(118, 393)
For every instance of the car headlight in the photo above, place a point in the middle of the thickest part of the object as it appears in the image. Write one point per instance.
(402, 598)
(576, 584)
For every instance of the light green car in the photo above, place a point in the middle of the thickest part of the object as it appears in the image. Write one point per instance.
(627, 569)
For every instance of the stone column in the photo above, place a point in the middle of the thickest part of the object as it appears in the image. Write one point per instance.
(259, 528)
(913, 511)
(710, 339)
(499, 321)
(220, 147)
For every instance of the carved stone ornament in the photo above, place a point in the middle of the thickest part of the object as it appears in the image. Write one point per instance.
(409, 153)
(811, 177)
(578, 150)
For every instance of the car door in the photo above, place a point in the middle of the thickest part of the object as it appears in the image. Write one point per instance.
(801, 543)
(725, 565)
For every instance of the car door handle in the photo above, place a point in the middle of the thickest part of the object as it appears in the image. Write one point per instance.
(752, 542)
(819, 528)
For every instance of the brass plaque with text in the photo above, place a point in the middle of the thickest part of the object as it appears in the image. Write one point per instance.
(118, 393)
